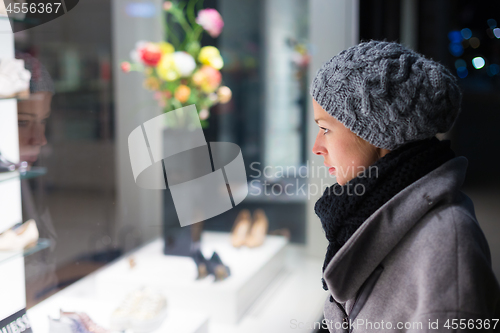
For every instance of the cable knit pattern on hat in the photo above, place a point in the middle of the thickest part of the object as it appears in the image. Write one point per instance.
(387, 94)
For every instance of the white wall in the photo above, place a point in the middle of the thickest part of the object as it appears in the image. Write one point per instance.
(133, 106)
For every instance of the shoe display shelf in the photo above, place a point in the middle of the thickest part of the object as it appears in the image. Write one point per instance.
(12, 283)
(16, 98)
(252, 270)
(12, 278)
(32, 173)
(41, 244)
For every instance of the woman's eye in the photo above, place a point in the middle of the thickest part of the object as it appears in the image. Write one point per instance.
(23, 123)
(325, 130)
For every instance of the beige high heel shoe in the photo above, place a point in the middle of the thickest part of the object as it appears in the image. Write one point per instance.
(258, 232)
(19, 238)
(241, 228)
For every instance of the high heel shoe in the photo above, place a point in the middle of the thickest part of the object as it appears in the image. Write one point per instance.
(241, 228)
(85, 321)
(217, 268)
(201, 264)
(19, 238)
(258, 232)
(8, 166)
(214, 266)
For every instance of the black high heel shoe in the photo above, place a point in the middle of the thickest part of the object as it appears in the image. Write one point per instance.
(217, 268)
(214, 266)
(201, 263)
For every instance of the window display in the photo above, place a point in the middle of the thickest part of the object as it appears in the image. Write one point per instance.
(98, 269)
(157, 158)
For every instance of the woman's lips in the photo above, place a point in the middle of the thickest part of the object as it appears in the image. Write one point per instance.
(331, 169)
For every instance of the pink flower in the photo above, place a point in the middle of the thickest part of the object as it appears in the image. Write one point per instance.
(125, 66)
(211, 21)
(167, 5)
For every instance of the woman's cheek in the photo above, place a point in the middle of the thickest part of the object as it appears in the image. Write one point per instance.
(23, 135)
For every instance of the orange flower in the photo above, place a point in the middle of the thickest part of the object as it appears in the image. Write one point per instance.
(182, 93)
(208, 78)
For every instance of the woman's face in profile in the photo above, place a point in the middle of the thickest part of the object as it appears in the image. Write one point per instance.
(32, 116)
(340, 147)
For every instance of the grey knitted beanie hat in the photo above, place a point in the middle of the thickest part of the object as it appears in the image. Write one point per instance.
(387, 94)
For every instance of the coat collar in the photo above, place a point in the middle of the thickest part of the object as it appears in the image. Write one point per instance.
(382, 231)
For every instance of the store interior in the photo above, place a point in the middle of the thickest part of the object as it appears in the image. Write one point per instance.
(87, 246)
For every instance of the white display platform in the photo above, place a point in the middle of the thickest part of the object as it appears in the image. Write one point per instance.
(252, 270)
(293, 302)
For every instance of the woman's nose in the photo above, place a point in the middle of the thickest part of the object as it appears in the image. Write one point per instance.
(318, 147)
(38, 138)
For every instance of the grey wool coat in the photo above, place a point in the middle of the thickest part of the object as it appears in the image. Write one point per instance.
(420, 263)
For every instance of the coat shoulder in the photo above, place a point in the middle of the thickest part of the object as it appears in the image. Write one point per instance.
(454, 224)
(451, 257)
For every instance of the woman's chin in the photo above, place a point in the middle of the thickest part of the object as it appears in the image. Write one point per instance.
(29, 158)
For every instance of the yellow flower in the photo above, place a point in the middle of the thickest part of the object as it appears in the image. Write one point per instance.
(166, 68)
(210, 55)
(182, 93)
(166, 48)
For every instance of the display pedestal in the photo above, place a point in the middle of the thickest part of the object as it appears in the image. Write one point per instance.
(273, 299)
(252, 270)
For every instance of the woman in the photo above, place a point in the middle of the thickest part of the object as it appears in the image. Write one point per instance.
(406, 252)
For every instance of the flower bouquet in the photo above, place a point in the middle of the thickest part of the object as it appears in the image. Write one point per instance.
(179, 70)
